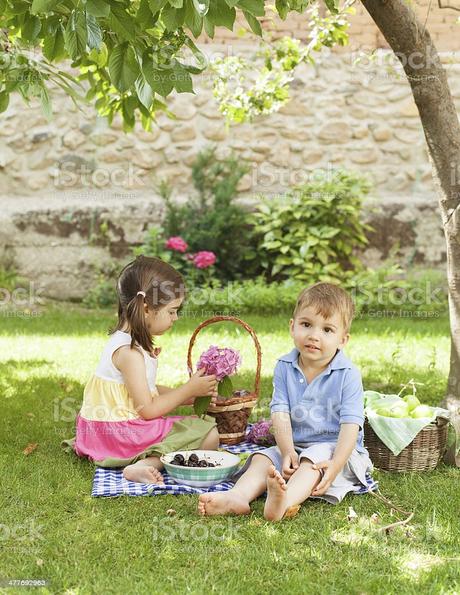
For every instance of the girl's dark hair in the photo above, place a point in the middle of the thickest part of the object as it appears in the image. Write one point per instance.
(161, 284)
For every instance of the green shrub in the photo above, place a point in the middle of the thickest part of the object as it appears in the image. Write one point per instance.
(103, 292)
(211, 219)
(312, 233)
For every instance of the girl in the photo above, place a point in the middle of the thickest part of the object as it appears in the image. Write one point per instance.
(122, 421)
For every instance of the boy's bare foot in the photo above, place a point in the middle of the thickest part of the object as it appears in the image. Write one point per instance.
(275, 505)
(222, 503)
(143, 474)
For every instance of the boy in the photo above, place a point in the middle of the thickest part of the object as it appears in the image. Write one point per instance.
(317, 412)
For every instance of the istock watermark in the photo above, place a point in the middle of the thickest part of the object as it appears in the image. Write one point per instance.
(21, 302)
(424, 294)
(21, 535)
(189, 533)
(87, 175)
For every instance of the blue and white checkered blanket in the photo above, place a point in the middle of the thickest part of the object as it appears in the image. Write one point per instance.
(111, 483)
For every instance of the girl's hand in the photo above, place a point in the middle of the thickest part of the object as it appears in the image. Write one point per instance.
(330, 474)
(192, 399)
(201, 385)
(290, 464)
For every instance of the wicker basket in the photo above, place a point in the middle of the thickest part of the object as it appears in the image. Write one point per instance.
(422, 454)
(232, 413)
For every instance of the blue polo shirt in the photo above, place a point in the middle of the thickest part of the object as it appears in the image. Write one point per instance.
(318, 408)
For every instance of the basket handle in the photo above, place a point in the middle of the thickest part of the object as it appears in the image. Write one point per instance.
(236, 321)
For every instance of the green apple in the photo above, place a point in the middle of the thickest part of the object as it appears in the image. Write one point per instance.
(412, 401)
(395, 410)
(399, 410)
(383, 411)
(421, 411)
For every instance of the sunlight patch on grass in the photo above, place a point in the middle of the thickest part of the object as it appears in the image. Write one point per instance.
(414, 563)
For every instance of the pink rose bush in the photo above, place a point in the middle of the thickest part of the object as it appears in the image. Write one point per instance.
(220, 361)
(177, 244)
(200, 260)
(204, 259)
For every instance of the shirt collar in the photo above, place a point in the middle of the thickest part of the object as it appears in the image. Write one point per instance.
(339, 362)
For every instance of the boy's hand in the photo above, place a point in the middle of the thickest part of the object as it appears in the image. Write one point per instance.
(331, 472)
(202, 386)
(290, 464)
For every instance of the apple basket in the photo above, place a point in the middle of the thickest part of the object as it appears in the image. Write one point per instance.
(232, 413)
(422, 454)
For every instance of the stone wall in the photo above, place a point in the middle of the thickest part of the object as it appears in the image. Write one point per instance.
(339, 114)
(60, 180)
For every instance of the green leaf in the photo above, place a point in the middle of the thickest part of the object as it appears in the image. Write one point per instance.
(123, 66)
(144, 15)
(208, 27)
(98, 8)
(225, 387)
(94, 32)
(100, 56)
(75, 35)
(40, 6)
(144, 91)
(182, 80)
(127, 111)
(173, 18)
(255, 7)
(31, 27)
(161, 81)
(4, 101)
(46, 103)
(193, 20)
(220, 13)
(122, 23)
(156, 5)
(201, 404)
(333, 5)
(201, 7)
(53, 46)
(176, 3)
(253, 23)
(18, 7)
(282, 8)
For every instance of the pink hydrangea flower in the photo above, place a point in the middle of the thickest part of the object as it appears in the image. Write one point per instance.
(176, 243)
(261, 433)
(204, 259)
(220, 361)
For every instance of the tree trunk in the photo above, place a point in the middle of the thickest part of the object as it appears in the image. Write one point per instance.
(412, 44)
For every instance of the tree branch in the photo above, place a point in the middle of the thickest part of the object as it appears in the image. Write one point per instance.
(448, 6)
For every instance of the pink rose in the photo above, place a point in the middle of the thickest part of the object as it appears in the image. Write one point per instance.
(204, 259)
(176, 243)
(219, 361)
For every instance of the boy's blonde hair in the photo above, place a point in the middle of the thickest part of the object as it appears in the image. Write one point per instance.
(328, 299)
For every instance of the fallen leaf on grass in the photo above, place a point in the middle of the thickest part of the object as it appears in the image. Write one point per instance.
(30, 448)
(375, 518)
(352, 516)
(170, 512)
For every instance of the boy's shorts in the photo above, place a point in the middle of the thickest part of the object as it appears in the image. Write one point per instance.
(349, 479)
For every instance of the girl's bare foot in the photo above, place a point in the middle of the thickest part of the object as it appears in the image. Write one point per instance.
(222, 503)
(275, 505)
(143, 474)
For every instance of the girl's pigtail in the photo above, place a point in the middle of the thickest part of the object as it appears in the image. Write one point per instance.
(136, 318)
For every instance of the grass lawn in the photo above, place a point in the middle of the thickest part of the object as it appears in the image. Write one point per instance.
(52, 529)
